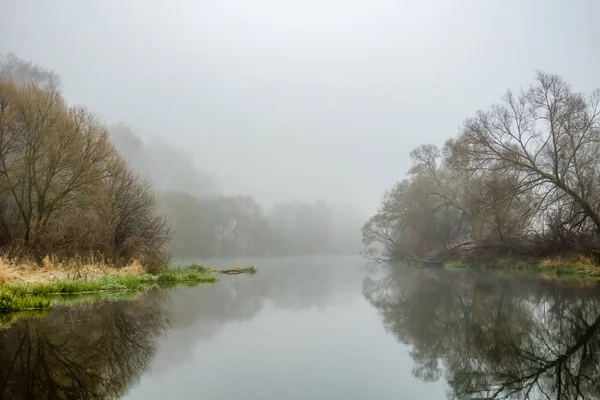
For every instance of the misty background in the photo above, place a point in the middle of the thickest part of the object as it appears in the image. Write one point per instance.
(304, 109)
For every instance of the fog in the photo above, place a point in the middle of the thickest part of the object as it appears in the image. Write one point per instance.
(169, 168)
(295, 101)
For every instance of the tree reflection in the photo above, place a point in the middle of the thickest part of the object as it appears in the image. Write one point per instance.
(295, 285)
(492, 336)
(197, 315)
(90, 351)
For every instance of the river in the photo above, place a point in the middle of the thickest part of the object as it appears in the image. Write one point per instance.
(317, 328)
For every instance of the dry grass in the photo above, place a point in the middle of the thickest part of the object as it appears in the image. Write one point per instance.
(579, 265)
(562, 262)
(28, 272)
(28, 286)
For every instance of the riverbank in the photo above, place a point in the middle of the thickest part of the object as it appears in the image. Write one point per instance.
(26, 286)
(40, 296)
(576, 266)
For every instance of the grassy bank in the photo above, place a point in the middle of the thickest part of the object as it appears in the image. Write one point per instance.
(52, 270)
(576, 266)
(27, 286)
(40, 296)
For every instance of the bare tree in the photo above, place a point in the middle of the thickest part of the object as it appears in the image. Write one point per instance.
(550, 135)
(129, 212)
(21, 72)
(239, 216)
(51, 155)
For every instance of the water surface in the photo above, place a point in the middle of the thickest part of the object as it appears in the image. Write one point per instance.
(317, 328)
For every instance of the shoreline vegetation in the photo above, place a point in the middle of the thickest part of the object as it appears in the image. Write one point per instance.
(26, 286)
(570, 267)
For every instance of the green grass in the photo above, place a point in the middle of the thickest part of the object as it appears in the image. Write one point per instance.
(113, 283)
(7, 319)
(28, 310)
(43, 296)
(193, 273)
(197, 268)
(456, 265)
(92, 297)
(23, 298)
(178, 277)
(18, 300)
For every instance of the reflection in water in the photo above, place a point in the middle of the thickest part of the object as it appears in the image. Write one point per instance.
(494, 337)
(199, 313)
(483, 334)
(100, 350)
(294, 285)
(89, 351)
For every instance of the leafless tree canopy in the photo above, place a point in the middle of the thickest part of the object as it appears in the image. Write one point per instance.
(522, 176)
(64, 189)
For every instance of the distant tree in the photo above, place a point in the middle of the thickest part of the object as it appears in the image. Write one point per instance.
(21, 72)
(194, 223)
(239, 217)
(215, 227)
(300, 228)
(168, 168)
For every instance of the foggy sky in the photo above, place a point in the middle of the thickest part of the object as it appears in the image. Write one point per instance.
(300, 100)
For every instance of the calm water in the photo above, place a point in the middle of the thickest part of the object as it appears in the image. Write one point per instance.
(317, 328)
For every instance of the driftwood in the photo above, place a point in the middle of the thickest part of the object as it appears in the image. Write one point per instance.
(231, 271)
(237, 271)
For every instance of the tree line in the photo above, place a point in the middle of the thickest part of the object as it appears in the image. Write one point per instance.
(520, 179)
(70, 186)
(207, 223)
(222, 226)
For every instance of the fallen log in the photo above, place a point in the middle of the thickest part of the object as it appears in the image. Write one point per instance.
(237, 270)
(231, 271)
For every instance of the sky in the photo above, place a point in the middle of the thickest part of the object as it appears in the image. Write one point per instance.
(301, 100)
